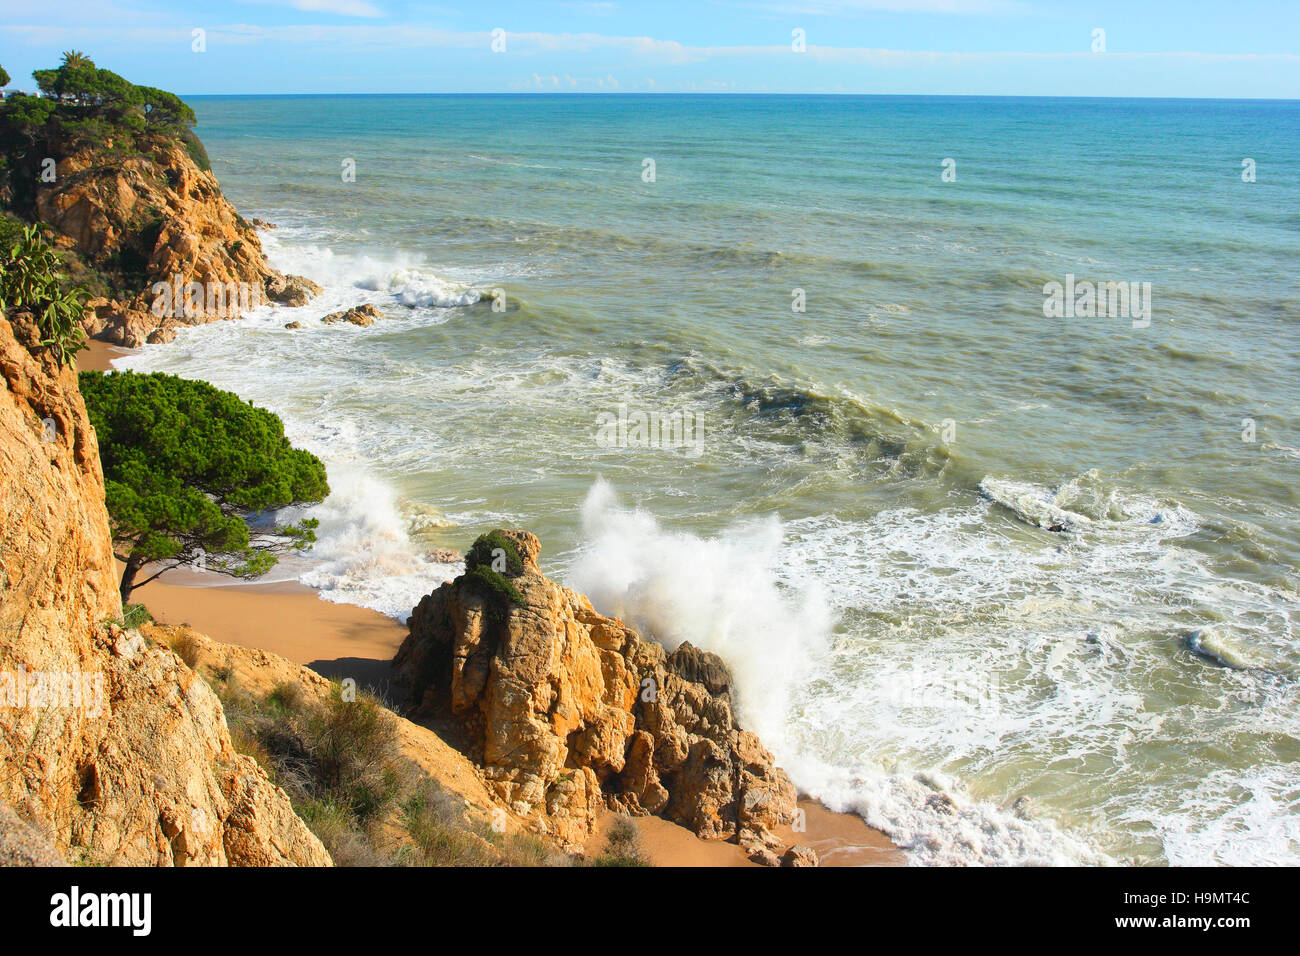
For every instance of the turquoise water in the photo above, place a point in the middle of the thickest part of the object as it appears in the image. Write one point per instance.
(861, 528)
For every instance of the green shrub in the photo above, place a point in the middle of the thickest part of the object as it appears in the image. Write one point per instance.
(496, 589)
(623, 845)
(432, 819)
(31, 281)
(351, 745)
(488, 553)
(194, 147)
(494, 548)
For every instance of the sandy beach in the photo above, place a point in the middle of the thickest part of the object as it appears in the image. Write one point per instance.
(98, 356)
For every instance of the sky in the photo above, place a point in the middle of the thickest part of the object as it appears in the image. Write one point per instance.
(1177, 48)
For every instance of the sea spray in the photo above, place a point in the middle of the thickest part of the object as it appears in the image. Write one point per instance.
(363, 553)
(721, 594)
(402, 278)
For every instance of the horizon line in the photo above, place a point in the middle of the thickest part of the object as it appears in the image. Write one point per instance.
(650, 93)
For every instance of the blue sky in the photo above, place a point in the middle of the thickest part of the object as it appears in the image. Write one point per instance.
(1192, 48)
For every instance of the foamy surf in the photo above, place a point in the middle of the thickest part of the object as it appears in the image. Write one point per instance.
(723, 594)
(964, 670)
(911, 650)
(364, 553)
(418, 289)
(719, 594)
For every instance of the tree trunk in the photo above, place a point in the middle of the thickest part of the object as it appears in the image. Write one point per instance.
(133, 566)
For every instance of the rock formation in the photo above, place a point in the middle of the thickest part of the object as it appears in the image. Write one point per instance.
(362, 315)
(569, 712)
(156, 218)
(291, 290)
(123, 756)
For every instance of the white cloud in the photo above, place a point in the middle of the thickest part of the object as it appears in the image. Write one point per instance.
(346, 8)
(849, 7)
(343, 8)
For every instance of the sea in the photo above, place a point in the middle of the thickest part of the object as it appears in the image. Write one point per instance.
(967, 430)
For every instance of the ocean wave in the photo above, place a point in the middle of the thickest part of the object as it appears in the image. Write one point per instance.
(364, 553)
(418, 289)
(719, 594)
(724, 594)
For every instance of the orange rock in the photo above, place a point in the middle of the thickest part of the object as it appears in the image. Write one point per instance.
(138, 768)
(569, 712)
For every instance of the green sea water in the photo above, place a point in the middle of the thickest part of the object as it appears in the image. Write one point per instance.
(860, 520)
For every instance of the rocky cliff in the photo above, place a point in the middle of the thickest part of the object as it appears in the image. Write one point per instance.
(153, 216)
(109, 743)
(569, 712)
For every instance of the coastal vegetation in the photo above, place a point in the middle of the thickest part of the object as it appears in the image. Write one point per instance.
(623, 845)
(93, 137)
(491, 562)
(339, 761)
(32, 281)
(82, 103)
(185, 467)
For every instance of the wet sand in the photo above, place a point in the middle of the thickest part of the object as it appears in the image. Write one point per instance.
(98, 356)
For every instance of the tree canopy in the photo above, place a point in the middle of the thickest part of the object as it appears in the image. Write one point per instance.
(4, 76)
(79, 80)
(185, 465)
(89, 102)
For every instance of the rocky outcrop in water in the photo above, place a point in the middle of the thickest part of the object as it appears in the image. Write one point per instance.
(109, 743)
(291, 290)
(569, 712)
(362, 315)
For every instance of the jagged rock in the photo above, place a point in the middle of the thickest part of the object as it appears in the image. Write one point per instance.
(701, 667)
(569, 712)
(293, 325)
(359, 315)
(134, 763)
(291, 290)
(159, 211)
(799, 855)
(163, 334)
(940, 803)
(444, 556)
(262, 224)
(763, 856)
(121, 325)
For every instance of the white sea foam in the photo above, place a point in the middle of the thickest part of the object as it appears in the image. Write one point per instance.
(967, 658)
(719, 594)
(346, 277)
(1234, 817)
(364, 554)
(415, 288)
